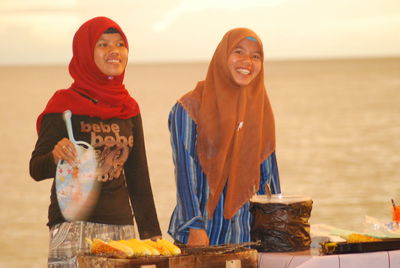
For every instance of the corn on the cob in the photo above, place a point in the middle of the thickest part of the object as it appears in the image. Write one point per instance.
(137, 249)
(171, 247)
(153, 250)
(98, 246)
(89, 241)
(162, 249)
(122, 247)
(142, 248)
(133, 247)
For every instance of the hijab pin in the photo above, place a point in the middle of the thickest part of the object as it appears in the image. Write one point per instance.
(240, 125)
(251, 38)
(110, 77)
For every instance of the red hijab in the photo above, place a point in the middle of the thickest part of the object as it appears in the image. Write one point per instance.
(235, 125)
(92, 93)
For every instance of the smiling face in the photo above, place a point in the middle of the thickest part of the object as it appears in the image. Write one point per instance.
(244, 62)
(111, 54)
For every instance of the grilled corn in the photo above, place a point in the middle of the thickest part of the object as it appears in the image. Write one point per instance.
(133, 247)
(98, 246)
(171, 247)
(162, 249)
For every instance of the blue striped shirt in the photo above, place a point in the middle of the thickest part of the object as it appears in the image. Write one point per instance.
(193, 191)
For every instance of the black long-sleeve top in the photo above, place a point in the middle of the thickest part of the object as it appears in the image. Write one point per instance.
(120, 149)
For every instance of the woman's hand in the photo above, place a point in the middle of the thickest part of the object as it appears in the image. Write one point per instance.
(198, 237)
(65, 150)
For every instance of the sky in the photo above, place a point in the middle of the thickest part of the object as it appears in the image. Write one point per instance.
(41, 31)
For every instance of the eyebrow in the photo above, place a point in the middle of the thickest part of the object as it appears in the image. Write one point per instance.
(102, 39)
(241, 47)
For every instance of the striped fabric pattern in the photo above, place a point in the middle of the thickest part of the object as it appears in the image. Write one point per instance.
(193, 191)
(68, 240)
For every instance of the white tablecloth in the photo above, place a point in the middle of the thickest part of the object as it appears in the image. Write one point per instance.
(312, 259)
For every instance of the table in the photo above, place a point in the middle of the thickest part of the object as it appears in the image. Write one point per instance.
(246, 258)
(312, 259)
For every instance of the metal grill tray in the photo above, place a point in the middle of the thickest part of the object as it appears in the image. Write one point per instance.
(344, 247)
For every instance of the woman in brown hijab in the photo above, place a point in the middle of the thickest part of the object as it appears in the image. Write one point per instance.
(223, 141)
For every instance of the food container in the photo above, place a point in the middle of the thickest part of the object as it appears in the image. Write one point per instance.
(329, 248)
(281, 222)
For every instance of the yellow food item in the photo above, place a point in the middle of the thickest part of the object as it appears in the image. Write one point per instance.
(121, 246)
(138, 249)
(162, 249)
(171, 247)
(89, 241)
(329, 247)
(98, 246)
(133, 247)
(359, 238)
(153, 251)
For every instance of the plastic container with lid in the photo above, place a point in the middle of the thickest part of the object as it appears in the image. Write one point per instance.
(280, 222)
(279, 198)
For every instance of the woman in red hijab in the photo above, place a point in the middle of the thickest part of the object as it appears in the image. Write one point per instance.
(108, 118)
(223, 141)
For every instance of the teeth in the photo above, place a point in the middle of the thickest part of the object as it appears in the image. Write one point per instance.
(243, 71)
(113, 61)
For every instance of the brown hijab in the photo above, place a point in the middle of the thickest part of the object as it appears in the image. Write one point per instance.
(235, 125)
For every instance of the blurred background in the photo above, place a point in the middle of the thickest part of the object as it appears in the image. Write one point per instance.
(332, 73)
(40, 31)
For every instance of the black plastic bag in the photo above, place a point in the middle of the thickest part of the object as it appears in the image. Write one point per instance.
(281, 227)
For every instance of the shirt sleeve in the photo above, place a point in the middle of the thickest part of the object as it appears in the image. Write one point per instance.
(269, 174)
(139, 186)
(188, 173)
(41, 165)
